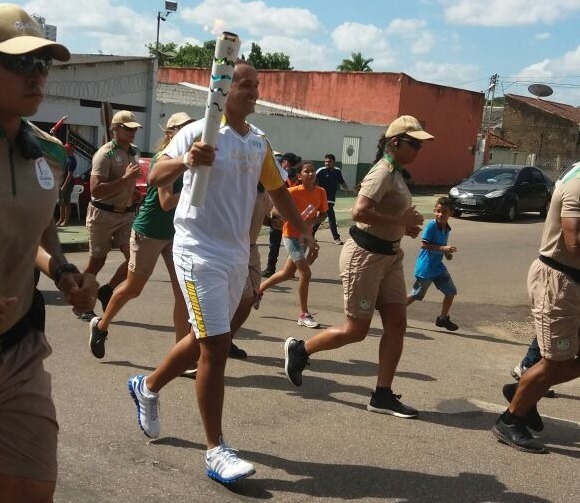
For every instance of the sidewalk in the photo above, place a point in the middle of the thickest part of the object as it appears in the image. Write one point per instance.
(74, 238)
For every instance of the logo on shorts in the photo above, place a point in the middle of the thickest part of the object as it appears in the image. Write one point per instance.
(365, 304)
(563, 345)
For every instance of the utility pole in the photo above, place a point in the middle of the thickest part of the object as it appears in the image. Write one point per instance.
(489, 97)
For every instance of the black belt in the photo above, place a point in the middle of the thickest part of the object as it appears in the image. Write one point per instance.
(372, 243)
(34, 318)
(566, 269)
(114, 209)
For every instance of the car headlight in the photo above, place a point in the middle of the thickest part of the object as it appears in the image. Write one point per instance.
(454, 192)
(495, 193)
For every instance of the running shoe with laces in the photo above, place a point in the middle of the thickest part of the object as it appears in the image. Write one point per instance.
(307, 320)
(97, 338)
(147, 407)
(446, 323)
(384, 401)
(224, 465)
(295, 360)
(338, 241)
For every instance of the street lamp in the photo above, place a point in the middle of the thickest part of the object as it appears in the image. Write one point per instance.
(169, 8)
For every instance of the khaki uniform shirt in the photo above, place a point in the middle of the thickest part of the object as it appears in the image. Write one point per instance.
(386, 186)
(28, 195)
(110, 162)
(565, 203)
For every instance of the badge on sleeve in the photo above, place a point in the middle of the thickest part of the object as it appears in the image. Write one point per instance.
(44, 174)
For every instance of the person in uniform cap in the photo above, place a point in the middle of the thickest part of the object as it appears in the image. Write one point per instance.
(371, 267)
(32, 164)
(114, 198)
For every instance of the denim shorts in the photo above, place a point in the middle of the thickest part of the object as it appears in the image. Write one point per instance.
(444, 283)
(296, 250)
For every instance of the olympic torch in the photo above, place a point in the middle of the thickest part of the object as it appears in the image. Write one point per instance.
(226, 52)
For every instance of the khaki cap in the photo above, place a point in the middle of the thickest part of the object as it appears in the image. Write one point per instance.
(126, 118)
(408, 125)
(20, 34)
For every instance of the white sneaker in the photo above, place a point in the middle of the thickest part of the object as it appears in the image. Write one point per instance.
(307, 320)
(225, 466)
(147, 407)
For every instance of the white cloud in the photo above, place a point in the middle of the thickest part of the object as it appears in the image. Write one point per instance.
(304, 54)
(543, 36)
(448, 74)
(508, 12)
(254, 17)
(557, 73)
(414, 31)
(357, 37)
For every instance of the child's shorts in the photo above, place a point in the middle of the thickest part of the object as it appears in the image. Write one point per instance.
(444, 284)
(296, 250)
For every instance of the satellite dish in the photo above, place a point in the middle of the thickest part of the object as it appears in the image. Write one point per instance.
(540, 90)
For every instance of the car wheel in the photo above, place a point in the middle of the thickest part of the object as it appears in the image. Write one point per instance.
(544, 210)
(457, 213)
(509, 213)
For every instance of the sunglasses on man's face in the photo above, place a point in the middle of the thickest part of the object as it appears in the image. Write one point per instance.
(413, 143)
(25, 64)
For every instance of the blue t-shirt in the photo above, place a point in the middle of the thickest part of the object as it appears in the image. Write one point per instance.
(329, 180)
(430, 263)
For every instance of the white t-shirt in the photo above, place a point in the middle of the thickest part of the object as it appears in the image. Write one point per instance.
(218, 232)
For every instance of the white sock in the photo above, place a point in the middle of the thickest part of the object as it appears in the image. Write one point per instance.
(146, 390)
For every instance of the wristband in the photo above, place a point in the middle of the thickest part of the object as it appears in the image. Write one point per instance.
(64, 269)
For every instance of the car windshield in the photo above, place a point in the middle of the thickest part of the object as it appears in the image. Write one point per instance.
(494, 176)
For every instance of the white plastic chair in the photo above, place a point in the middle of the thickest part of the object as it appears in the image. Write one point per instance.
(77, 190)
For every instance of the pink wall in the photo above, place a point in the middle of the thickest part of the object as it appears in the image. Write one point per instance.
(452, 115)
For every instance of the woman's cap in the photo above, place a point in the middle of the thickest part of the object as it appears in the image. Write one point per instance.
(178, 119)
(407, 125)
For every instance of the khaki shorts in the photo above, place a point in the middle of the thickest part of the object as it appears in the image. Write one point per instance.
(145, 251)
(28, 427)
(252, 285)
(556, 311)
(107, 229)
(370, 280)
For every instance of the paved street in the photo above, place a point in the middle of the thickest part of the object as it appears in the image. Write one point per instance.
(319, 441)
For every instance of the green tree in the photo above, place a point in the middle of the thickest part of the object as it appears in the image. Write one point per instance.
(268, 61)
(356, 63)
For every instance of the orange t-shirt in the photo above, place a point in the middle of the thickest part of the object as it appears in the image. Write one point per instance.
(302, 198)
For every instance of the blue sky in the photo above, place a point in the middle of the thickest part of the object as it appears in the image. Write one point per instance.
(459, 43)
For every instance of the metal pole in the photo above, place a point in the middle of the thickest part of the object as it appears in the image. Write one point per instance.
(157, 39)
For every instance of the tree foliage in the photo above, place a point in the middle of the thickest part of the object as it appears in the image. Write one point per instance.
(268, 61)
(356, 63)
(197, 56)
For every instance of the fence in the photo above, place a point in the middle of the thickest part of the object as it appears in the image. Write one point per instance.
(552, 166)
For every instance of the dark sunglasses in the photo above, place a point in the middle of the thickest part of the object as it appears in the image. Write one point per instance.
(131, 129)
(25, 64)
(413, 143)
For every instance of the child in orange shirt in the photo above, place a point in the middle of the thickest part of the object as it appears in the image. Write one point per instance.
(311, 201)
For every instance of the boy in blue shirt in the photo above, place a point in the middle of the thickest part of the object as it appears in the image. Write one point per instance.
(430, 267)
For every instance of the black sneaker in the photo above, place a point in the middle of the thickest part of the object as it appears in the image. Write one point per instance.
(386, 402)
(267, 273)
(85, 316)
(446, 323)
(104, 294)
(517, 436)
(532, 419)
(295, 360)
(97, 338)
(237, 353)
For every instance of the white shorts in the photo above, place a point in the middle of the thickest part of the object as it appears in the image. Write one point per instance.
(212, 293)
